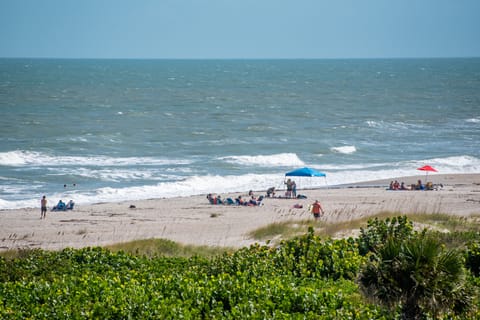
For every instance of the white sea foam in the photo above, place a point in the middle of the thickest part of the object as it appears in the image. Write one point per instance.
(113, 175)
(473, 120)
(22, 158)
(459, 164)
(197, 185)
(397, 125)
(374, 171)
(15, 158)
(373, 124)
(344, 149)
(360, 166)
(281, 159)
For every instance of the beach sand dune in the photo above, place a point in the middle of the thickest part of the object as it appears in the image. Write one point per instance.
(192, 220)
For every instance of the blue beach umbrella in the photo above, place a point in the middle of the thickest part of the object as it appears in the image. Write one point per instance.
(305, 172)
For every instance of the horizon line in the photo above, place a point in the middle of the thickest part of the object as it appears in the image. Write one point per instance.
(238, 58)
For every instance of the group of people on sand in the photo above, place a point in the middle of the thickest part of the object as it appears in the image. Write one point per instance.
(239, 201)
(394, 185)
(291, 188)
(60, 206)
(315, 208)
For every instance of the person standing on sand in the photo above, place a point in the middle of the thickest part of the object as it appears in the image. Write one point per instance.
(317, 209)
(43, 205)
(288, 194)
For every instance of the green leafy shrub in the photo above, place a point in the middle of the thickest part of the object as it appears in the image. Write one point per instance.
(472, 256)
(255, 282)
(310, 256)
(378, 231)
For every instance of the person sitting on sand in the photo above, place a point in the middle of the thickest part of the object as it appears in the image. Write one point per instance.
(60, 206)
(403, 187)
(214, 199)
(271, 192)
(419, 185)
(210, 198)
(70, 205)
(396, 185)
(239, 201)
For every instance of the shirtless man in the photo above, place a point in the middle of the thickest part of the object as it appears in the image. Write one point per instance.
(43, 203)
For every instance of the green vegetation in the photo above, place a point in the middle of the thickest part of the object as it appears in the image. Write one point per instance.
(305, 277)
(166, 248)
(454, 229)
(286, 229)
(418, 276)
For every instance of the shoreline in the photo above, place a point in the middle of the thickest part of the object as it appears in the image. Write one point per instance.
(192, 220)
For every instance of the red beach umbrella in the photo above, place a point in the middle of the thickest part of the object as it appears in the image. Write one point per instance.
(427, 169)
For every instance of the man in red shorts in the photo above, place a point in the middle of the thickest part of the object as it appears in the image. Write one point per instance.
(317, 209)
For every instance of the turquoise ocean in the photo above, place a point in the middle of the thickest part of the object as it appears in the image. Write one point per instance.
(113, 130)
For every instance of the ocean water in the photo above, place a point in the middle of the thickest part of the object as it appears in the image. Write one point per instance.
(111, 130)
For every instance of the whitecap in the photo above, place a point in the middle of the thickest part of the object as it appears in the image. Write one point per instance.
(372, 124)
(18, 157)
(344, 149)
(22, 158)
(473, 120)
(281, 159)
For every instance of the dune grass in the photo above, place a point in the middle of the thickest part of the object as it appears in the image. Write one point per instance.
(438, 222)
(166, 248)
(149, 248)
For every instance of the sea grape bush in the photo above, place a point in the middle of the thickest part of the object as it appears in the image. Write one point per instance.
(308, 256)
(255, 282)
(312, 257)
(378, 231)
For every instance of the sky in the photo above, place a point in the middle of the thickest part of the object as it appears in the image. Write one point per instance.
(239, 29)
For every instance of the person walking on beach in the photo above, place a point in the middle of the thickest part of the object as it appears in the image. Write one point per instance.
(43, 205)
(317, 209)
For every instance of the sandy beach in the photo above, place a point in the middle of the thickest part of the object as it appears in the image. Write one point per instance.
(192, 220)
